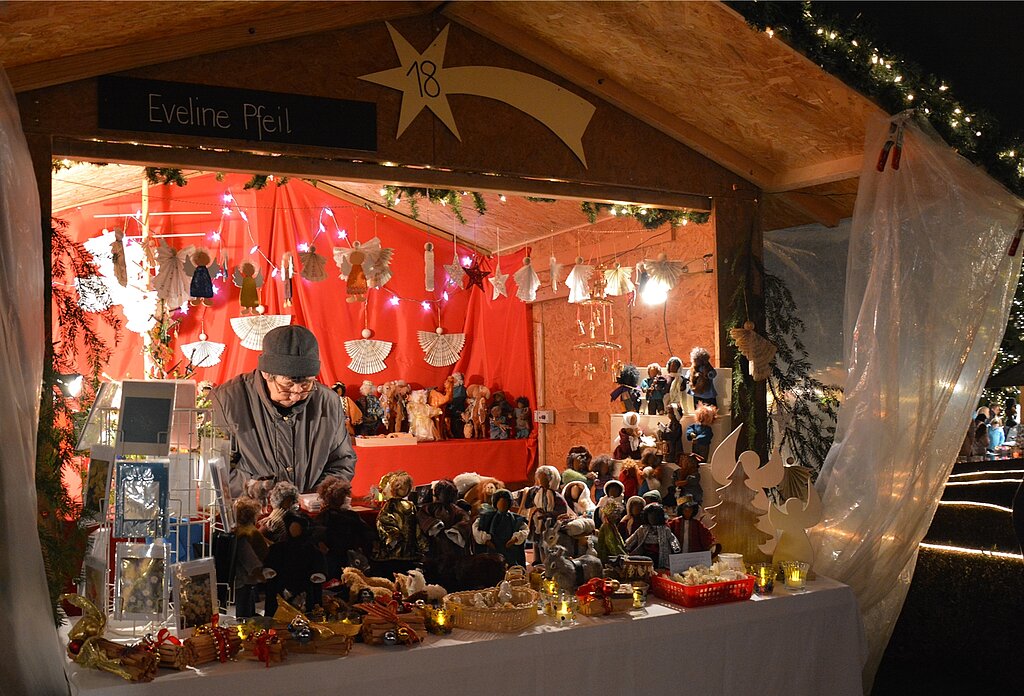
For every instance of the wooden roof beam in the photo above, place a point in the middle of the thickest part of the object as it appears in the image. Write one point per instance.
(340, 15)
(815, 174)
(475, 16)
(819, 208)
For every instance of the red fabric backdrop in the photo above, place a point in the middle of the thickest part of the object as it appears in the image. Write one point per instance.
(498, 349)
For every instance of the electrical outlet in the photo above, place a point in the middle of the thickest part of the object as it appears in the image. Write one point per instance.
(543, 416)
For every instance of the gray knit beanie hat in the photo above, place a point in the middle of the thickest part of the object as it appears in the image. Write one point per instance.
(290, 351)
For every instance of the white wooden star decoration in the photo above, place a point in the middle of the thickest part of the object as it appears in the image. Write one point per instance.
(497, 282)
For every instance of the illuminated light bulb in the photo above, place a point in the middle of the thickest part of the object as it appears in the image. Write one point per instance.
(254, 249)
(328, 212)
(927, 110)
(501, 197)
(686, 221)
(967, 119)
(898, 78)
(977, 133)
(342, 234)
(383, 192)
(910, 97)
(770, 32)
(957, 110)
(445, 295)
(225, 210)
(832, 36)
(820, 31)
(394, 300)
(273, 273)
(226, 197)
(954, 123)
(425, 305)
(398, 199)
(138, 213)
(854, 42)
(943, 88)
(322, 227)
(654, 293)
(615, 211)
(216, 290)
(643, 211)
(874, 60)
(444, 203)
(888, 66)
(304, 247)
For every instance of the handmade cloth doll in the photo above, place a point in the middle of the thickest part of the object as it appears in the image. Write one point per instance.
(399, 541)
(251, 550)
(577, 465)
(629, 476)
(500, 428)
(457, 405)
(440, 398)
(628, 393)
(674, 434)
(659, 476)
(577, 497)
(700, 433)
(690, 532)
(443, 524)
(297, 565)
(522, 417)
(201, 269)
(249, 280)
(609, 540)
(339, 528)
(701, 377)
(688, 479)
(283, 498)
(476, 406)
(629, 446)
(353, 415)
(633, 518)
(501, 402)
(542, 504)
(369, 406)
(654, 539)
(611, 492)
(655, 388)
(677, 382)
(601, 472)
(502, 530)
(421, 417)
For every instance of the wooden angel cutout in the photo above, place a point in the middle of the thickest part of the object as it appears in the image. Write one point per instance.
(367, 354)
(790, 521)
(617, 281)
(755, 348)
(250, 280)
(171, 283)
(441, 349)
(202, 270)
(527, 281)
(578, 281)
(363, 266)
(313, 265)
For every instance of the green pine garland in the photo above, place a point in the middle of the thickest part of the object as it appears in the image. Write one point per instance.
(651, 218)
(392, 195)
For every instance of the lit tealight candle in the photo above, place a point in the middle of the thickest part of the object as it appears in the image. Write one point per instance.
(796, 574)
(764, 577)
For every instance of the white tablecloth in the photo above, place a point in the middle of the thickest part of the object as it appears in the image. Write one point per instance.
(800, 644)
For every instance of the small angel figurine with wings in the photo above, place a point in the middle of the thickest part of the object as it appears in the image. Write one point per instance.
(201, 269)
(171, 283)
(250, 280)
(363, 266)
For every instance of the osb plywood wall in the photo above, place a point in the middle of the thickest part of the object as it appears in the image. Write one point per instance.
(647, 334)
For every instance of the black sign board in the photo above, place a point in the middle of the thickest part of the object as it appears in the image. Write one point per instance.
(153, 106)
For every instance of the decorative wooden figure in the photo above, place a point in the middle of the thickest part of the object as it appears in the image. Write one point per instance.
(249, 280)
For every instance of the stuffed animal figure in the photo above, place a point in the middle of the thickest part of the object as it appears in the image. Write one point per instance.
(283, 497)
(655, 388)
(565, 571)
(701, 377)
(653, 539)
(628, 393)
(296, 565)
(502, 530)
(339, 528)
(259, 490)
(414, 586)
(700, 433)
(251, 549)
(356, 581)
(481, 493)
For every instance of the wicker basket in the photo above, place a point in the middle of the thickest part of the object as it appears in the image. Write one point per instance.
(495, 619)
(517, 577)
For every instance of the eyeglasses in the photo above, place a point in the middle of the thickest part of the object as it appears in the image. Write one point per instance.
(290, 385)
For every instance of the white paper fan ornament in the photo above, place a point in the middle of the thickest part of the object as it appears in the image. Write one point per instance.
(367, 354)
(203, 353)
(527, 280)
(664, 271)
(618, 281)
(441, 349)
(252, 328)
(578, 281)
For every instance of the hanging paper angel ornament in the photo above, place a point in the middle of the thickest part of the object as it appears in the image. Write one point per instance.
(441, 349)
(428, 267)
(171, 282)
(618, 281)
(755, 348)
(287, 273)
(251, 329)
(455, 271)
(203, 353)
(313, 265)
(367, 354)
(527, 280)
(666, 273)
(497, 282)
(363, 266)
(554, 268)
(250, 280)
(118, 258)
(200, 268)
(578, 281)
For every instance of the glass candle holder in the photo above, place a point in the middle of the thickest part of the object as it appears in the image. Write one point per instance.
(795, 574)
(565, 610)
(439, 621)
(549, 587)
(639, 595)
(764, 577)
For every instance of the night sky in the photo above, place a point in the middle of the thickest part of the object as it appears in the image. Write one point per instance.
(976, 47)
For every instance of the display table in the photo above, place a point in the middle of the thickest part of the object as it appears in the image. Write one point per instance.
(506, 460)
(805, 644)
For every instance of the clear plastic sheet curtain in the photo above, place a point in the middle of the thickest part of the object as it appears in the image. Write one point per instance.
(928, 292)
(33, 663)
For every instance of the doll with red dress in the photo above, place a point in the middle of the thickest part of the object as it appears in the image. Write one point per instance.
(690, 532)
(630, 445)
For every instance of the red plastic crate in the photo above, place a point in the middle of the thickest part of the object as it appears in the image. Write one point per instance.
(701, 595)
